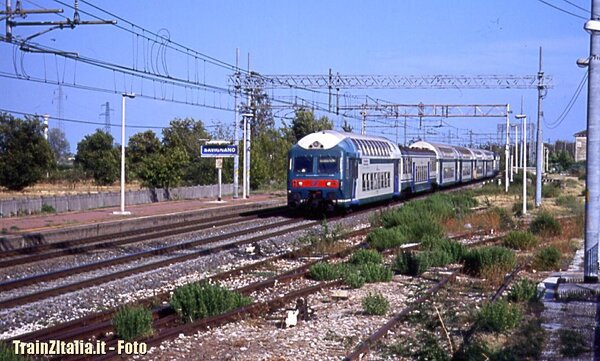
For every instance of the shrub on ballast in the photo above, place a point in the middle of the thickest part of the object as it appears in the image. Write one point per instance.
(479, 259)
(373, 272)
(547, 259)
(375, 304)
(498, 316)
(520, 240)
(363, 256)
(506, 220)
(450, 251)
(545, 224)
(131, 323)
(353, 279)
(199, 300)
(386, 238)
(324, 271)
(410, 263)
(7, 353)
(524, 290)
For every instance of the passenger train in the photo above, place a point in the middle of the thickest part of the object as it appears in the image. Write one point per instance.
(343, 170)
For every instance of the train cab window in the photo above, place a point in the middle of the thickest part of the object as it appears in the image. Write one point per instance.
(303, 164)
(327, 164)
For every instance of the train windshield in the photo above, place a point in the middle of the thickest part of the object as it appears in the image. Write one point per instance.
(328, 164)
(303, 165)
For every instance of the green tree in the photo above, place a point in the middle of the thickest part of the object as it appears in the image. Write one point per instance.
(305, 123)
(562, 159)
(140, 146)
(269, 159)
(98, 158)
(163, 169)
(188, 134)
(25, 156)
(260, 107)
(59, 144)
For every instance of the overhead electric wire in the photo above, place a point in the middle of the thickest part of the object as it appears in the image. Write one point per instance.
(569, 106)
(577, 6)
(78, 121)
(563, 10)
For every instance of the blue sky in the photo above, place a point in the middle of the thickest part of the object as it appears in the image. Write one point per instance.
(410, 37)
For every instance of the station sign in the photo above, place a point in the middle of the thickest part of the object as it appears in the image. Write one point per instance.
(218, 150)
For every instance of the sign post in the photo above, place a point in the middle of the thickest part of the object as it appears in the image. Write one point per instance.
(219, 165)
(218, 149)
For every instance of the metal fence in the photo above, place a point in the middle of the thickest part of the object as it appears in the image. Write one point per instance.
(81, 202)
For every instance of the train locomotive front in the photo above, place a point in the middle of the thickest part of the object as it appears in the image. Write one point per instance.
(315, 171)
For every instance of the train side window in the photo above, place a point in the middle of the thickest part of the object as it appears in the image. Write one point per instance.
(327, 164)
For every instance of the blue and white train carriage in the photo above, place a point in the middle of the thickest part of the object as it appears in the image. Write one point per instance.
(329, 169)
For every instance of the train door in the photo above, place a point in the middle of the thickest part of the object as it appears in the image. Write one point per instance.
(396, 178)
(353, 176)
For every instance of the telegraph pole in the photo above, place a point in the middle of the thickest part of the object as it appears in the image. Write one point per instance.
(506, 148)
(540, 142)
(592, 214)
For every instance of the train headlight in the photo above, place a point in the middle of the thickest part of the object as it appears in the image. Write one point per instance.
(328, 184)
(299, 184)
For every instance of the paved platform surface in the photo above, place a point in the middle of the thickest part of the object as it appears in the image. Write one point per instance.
(48, 222)
(578, 314)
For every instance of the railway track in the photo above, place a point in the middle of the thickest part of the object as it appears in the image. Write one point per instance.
(78, 246)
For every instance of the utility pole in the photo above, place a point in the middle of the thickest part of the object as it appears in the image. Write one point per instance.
(506, 148)
(592, 214)
(236, 124)
(524, 117)
(516, 170)
(539, 141)
(363, 126)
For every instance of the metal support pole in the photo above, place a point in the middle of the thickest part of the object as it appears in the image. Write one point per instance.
(249, 158)
(512, 162)
(236, 124)
(8, 21)
(219, 176)
(516, 149)
(592, 214)
(123, 96)
(245, 167)
(539, 140)
(524, 162)
(506, 150)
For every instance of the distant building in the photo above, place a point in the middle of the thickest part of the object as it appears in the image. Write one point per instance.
(580, 146)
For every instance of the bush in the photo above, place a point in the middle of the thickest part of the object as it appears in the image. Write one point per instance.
(547, 259)
(363, 256)
(570, 202)
(572, 343)
(372, 273)
(7, 354)
(323, 271)
(550, 190)
(524, 291)
(527, 343)
(498, 316)
(386, 238)
(479, 259)
(443, 250)
(410, 263)
(354, 280)
(199, 300)
(131, 323)
(521, 240)
(46, 208)
(375, 304)
(546, 225)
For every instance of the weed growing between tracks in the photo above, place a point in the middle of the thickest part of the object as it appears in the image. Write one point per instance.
(375, 304)
(131, 323)
(199, 300)
(7, 353)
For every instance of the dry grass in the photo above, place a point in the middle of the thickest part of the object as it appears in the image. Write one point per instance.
(478, 221)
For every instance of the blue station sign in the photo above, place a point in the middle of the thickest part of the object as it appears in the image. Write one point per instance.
(218, 150)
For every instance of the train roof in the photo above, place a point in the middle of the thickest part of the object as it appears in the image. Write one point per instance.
(447, 151)
(367, 145)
